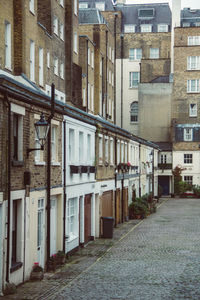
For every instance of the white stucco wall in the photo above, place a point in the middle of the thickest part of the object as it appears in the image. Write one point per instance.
(129, 94)
(192, 169)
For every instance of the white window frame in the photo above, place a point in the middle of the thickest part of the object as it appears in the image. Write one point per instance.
(100, 6)
(89, 95)
(100, 103)
(80, 147)
(129, 28)
(56, 66)
(71, 145)
(92, 59)
(186, 24)
(62, 70)
(187, 158)
(133, 83)
(92, 98)
(62, 3)
(32, 6)
(188, 179)
(41, 66)
(193, 109)
(72, 218)
(134, 112)
(113, 56)
(100, 149)
(61, 31)
(89, 56)
(162, 27)
(48, 59)
(193, 40)
(106, 149)
(154, 53)
(122, 152)
(111, 152)
(83, 5)
(75, 42)
(75, 7)
(89, 149)
(188, 134)
(32, 60)
(118, 151)
(84, 96)
(163, 158)
(146, 28)
(7, 45)
(193, 86)
(54, 143)
(193, 62)
(55, 25)
(135, 54)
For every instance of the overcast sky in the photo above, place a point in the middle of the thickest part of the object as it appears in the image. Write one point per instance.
(184, 3)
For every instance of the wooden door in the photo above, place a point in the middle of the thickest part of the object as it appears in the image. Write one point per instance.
(87, 218)
(107, 204)
(118, 207)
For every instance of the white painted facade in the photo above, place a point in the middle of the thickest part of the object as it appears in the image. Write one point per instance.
(190, 169)
(80, 151)
(129, 94)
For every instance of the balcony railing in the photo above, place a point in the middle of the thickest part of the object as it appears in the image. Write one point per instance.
(165, 166)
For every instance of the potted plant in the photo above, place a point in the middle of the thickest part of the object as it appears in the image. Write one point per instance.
(37, 272)
(60, 257)
(52, 263)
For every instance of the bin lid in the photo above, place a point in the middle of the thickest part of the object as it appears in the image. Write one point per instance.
(108, 218)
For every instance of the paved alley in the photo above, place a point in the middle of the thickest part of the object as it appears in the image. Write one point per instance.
(157, 258)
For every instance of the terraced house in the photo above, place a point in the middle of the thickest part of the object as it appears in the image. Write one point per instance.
(58, 70)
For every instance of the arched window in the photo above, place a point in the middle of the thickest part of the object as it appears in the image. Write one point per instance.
(134, 111)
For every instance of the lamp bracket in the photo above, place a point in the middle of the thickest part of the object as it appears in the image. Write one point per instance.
(33, 149)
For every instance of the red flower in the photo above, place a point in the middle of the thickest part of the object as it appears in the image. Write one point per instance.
(128, 164)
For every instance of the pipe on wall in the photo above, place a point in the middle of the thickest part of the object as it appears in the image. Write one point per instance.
(49, 176)
(8, 189)
(87, 101)
(122, 75)
(106, 79)
(64, 184)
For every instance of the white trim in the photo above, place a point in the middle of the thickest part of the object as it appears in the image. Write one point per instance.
(18, 109)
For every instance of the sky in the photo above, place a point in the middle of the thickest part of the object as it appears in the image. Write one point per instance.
(184, 3)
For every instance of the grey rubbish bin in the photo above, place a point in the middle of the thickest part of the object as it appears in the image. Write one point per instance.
(107, 224)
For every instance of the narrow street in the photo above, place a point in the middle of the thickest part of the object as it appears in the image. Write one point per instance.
(158, 258)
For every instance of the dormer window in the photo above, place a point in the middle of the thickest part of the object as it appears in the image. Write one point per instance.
(146, 28)
(146, 13)
(162, 28)
(128, 28)
(186, 24)
(83, 5)
(100, 6)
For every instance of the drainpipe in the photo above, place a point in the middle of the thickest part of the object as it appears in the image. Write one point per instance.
(102, 87)
(153, 174)
(139, 170)
(122, 183)
(115, 182)
(8, 188)
(87, 75)
(64, 185)
(122, 54)
(106, 104)
(49, 176)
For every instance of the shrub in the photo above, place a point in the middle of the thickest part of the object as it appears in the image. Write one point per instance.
(196, 190)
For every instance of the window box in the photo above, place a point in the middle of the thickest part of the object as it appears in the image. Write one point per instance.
(92, 169)
(75, 169)
(84, 169)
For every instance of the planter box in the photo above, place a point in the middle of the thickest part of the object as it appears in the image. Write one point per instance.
(75, 169)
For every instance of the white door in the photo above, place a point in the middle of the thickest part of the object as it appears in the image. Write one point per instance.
(53, 232)
(40, 233)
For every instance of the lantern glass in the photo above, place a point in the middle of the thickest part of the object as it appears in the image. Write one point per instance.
(42, 129)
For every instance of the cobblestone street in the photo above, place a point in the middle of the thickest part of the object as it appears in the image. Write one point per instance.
(157, 258)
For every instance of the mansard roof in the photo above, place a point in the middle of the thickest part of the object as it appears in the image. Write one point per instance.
(90, 16)
(138, 14)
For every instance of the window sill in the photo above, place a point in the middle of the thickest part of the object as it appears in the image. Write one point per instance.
(40, 163)
(8, 68)
(71, 238)
(134, 122)
(56, 164)
(133, 88)
(15, 266)
(32, 12)
(17, 163)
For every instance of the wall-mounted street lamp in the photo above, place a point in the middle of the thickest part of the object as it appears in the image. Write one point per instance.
(42, 129)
